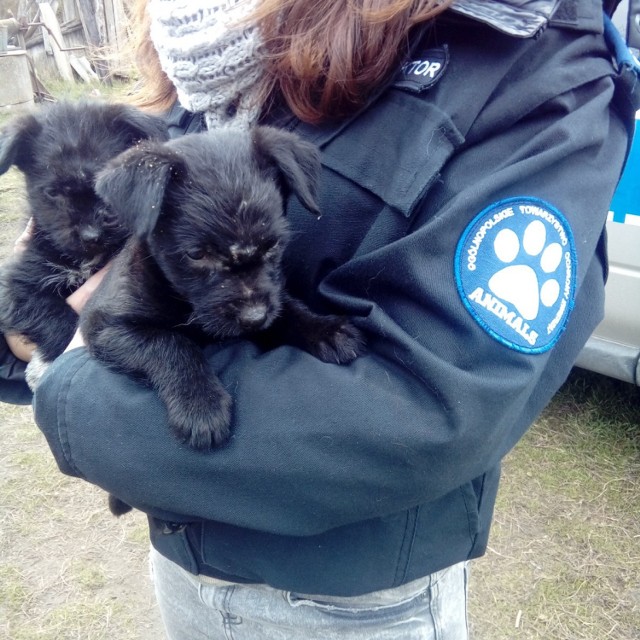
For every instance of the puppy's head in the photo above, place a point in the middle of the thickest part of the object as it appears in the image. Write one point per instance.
(60, 149)
(210, 207)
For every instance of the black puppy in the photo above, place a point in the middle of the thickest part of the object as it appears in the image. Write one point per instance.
(206, 211)
(60, 148)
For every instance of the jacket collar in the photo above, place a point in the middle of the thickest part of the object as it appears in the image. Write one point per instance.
(522, 18)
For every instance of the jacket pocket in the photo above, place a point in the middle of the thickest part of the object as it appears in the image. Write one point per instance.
(377, 167)
(379, 605)
(395, 149)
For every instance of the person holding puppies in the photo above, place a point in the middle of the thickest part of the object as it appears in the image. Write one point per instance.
(469, 153)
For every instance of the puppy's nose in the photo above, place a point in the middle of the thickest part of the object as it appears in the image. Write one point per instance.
(254, 316)
(89, 234)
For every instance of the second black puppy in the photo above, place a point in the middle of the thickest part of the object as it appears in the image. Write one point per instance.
(207, 214)
(59, 149)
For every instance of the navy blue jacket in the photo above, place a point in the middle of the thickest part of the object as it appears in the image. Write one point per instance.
(462, 228)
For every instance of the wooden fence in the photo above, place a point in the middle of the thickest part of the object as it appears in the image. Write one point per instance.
(76, 40)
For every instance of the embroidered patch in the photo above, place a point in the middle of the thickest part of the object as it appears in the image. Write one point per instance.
(515, 269)
(423, 70)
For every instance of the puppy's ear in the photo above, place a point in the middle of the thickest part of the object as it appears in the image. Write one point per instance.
(17, 142)
(134, 185)
(137, 124)
(297, 160)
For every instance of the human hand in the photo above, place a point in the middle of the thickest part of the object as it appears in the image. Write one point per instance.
(23, 239)
(19, 345)
(79, 298)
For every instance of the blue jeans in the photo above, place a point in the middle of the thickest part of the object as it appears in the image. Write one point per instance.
(201, 608)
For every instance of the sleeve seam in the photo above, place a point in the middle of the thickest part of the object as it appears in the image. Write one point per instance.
(62, 420)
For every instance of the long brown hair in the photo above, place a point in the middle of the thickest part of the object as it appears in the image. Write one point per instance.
(324, 57)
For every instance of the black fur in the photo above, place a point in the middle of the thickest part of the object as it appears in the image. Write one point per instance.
(206, 211)
(60, 148)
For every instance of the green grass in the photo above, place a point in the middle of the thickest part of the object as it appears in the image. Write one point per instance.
(117, 90)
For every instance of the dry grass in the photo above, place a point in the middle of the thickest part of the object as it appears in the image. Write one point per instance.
(68, 569)
(564, 553)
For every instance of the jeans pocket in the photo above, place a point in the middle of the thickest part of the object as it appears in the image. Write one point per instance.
(384, 604)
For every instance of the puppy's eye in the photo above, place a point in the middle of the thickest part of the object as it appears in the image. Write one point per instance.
(196, 254)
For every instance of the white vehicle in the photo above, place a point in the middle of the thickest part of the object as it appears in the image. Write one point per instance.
(614, 347)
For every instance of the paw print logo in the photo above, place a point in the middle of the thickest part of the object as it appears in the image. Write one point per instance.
(527, 286)
(515, 272)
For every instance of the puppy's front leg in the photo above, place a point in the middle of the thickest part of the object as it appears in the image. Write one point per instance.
(198, 406)
(45, 320)
(330, 338)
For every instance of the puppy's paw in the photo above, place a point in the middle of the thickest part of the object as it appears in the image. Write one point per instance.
(35, 369)
(203, 420)
(118, 507)
(337, 341)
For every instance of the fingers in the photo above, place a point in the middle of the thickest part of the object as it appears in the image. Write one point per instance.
(79, 297)
(23, 239)
(76, 341)
(20, 346)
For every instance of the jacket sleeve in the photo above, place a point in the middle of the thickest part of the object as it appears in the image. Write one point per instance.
(435, 402)
(13, 388)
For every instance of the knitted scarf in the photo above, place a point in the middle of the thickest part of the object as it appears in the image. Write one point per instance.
(212, 62)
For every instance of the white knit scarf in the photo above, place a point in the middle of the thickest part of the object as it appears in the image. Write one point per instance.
(212, 62)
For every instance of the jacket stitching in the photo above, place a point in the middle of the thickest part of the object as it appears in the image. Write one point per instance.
(408, 541)
(62, 418)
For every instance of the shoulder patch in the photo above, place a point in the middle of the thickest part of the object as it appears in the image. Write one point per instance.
(515, 269)
(423, 70)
